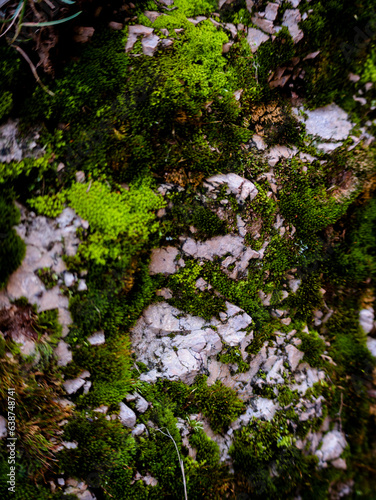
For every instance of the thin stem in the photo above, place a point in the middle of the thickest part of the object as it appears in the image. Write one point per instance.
(33, 69)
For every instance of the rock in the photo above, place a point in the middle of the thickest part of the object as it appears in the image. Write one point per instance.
(138, 430)
(271, 11)
(294, 356)
(134, 32)
(250, 4)
(259, 142)
(163, 260)
(14, 147)
(255, 38)
(82, 287)
(69, 445)
(69, 279)
(149, 44)
(240, 187)
(73, 385)
(83, 34)
(366, 319)
(127, 416)
(265, 24)
(227, 46)
(141, 404)
(339, 463)
(152, 15)
(115, 26)
(278, 152)
(97, 338)
(164, 292)
(371, 344)
(333, 444)
(218, 246)
(294, 284)
(329, 122)
(291, 18)
(3, 427)
(150, 480)
(63, 353)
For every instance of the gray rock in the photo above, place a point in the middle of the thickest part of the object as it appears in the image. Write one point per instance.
(3, 427)
(371, 344)
(71, 386)
(14, 147)
(332, 446)
(250, 4)
(329, 122)
(138, 430)
(278, 152)
(255, 38)
(259, 142)
(152, 15)
(69, 445)
(294, 356)
(69, 279)
(127, 416)
(149, 44)
(141, 404)
(163, 260)
(271, 11)
(366, 319)
(264, 24)
(63, 353)
(291, 18)
(97, 338)
(240, 187)
(218, 246)
(82, 287)
(134, 32)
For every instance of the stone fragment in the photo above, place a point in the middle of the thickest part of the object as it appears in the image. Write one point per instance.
(333, 444)
(240, 187)
(329, 122)
(3, 427)
(259, 142)
(339, 463)
(138, 430)
(163, 260)
(73, 385)
(371, 344)
(291, 18)
(127, 416)
(152, 15)
(141, 404)
(97, 338)
(115, 26)
(83, 34)
(69, 279)
(366, 319)
(264, 24)
(255, 38)
(271, 11)
(63, 353)
(294, 356)
(149, 44)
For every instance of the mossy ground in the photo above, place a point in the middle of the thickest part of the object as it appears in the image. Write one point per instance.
(141, 121)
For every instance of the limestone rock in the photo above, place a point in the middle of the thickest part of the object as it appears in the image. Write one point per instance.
(366, 319)
(163, 260)
(333, 444)
(97, 338)
(73, 385)
(240, 187)
(141, 404)
(294, 356)
(127, 416)
(138, 430)
(329, 122)
(149, 44)
(371, 344)
(291, 18)
(63, 353)
(255, 38)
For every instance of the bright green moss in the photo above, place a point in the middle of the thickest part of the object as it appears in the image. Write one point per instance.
(232, 355)
(49, 205)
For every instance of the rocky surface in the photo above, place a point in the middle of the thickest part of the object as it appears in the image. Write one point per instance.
(16, 147)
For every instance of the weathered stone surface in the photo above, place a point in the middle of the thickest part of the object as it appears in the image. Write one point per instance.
(333, 444)
(149, 44)
(240, 187)
(329, 122)
(371, 344)
(3, 427)
(278, 152)
(214, 247)
(141, 404)
(271, 11)
(138, 430)
(27, 346)
(163, 260)
(294, 356)
(97, 338)
(366, 319)
(63, 353)
(264, 24)
(152, 15)
(255, 38)
(127, 416)
(73, 385)
(291, 18)
(14, 147)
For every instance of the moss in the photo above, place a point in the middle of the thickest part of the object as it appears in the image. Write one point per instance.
(313, 346)
(232, 355)
(12, 248)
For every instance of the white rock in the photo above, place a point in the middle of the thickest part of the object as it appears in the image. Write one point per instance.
(163, 260)
(255, 38)
(3, 427)
(294, 284)
(259, 141)
(82, 287)
(69, 445)
(138, 430)
(366, 319)
(63, 353)
(127, 416)
(149, 44)
(271, 11)
(69, 279)
(291, 18)
(97, 338)
(294, 356)
(333, 444)
(329, 122)
(371, 344)
(71, 386)
(141, 404)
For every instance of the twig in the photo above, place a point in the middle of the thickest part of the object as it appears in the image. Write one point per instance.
(33, 69)
(181, 463)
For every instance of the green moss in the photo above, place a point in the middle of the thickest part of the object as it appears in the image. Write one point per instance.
(313, 346)
(232, 355)
(12, 248)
